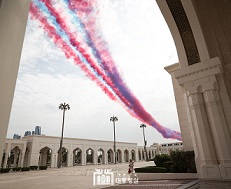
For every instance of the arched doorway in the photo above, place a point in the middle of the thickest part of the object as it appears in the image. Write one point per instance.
(90, 156)
(139, 154)
(119, 156)
(64, 159)
(100, 157)
(13, 160)
(133, 154)
(45, 157)
(126, 155)
(143, 158)
(110, 156)
(77, 157)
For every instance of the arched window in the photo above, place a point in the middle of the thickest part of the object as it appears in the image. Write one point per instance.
(133, 153)
(110, 158)
(90, 156)
(45, 157)
(100, 156)
(64, 158)
(77, 157)
(126, 155)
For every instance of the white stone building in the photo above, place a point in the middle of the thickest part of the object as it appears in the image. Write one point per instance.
(38, 150)
(166, 148)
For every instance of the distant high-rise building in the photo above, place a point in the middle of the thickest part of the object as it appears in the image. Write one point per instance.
(37, 130)
(32, 132)
(16, 136)
(27, 133)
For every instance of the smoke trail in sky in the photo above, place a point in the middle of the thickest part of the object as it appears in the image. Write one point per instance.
(72, 26)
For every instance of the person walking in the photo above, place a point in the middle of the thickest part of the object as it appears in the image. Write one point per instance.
(131, 166)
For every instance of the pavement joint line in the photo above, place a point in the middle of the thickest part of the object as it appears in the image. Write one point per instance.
(189, 185)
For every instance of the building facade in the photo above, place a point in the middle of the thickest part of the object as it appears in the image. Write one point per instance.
(39, 150)
(202, 80)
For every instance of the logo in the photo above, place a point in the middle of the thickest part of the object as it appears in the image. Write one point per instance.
(107, 177)
(103, 177)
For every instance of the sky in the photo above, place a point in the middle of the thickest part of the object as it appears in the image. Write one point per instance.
(141, 45)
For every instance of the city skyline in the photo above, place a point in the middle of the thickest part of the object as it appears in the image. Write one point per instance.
(46, 79)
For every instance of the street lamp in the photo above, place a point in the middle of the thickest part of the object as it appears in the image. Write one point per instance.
(64, 107)
(114, 119)
(145, 142)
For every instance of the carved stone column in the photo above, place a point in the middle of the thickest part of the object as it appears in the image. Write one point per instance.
(53, 160)
(204, 143)
(21, 158)
(16, 152)
(220, 132)
(6, 159)
(69, 159)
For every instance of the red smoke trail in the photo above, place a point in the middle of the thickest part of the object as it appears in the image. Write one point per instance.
(130, 102)
(69, 53)
(86, 13)
(78, 45)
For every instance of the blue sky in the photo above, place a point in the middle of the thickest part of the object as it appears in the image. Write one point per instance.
(141, 45)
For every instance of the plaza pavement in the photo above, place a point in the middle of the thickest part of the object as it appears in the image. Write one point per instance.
(81, 177)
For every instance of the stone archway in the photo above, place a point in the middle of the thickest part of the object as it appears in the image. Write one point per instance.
(45, 157)
(126, 155)
(143, 155)
(89, 156)
(201, 79)
(133, 155)
(64, 159)
(77, 157)
(100, 156)
(119, 156)
(14, 158)
(149, 154)
(139, 154)
(110, 156)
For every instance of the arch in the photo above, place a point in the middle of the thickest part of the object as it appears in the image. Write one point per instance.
(110, 156)
(126, 155)
(139, 154)
(77, 157)
(143, 157)
(133, 155)
(89, 156)
(45, 157)
(64, 159)
(153, 154)
(119, 156)
(100, 156)
(13, 160)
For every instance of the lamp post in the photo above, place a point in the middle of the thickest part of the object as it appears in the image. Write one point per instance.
(145, 142)
(114, 119)
(64, 107)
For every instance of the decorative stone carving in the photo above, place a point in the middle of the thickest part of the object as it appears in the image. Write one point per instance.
(196, 101)
(183, 25)
(211, 97)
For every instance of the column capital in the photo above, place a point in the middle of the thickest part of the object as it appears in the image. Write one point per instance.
(201, 85)
(211, 97)
(196, 101)
(200, 77)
